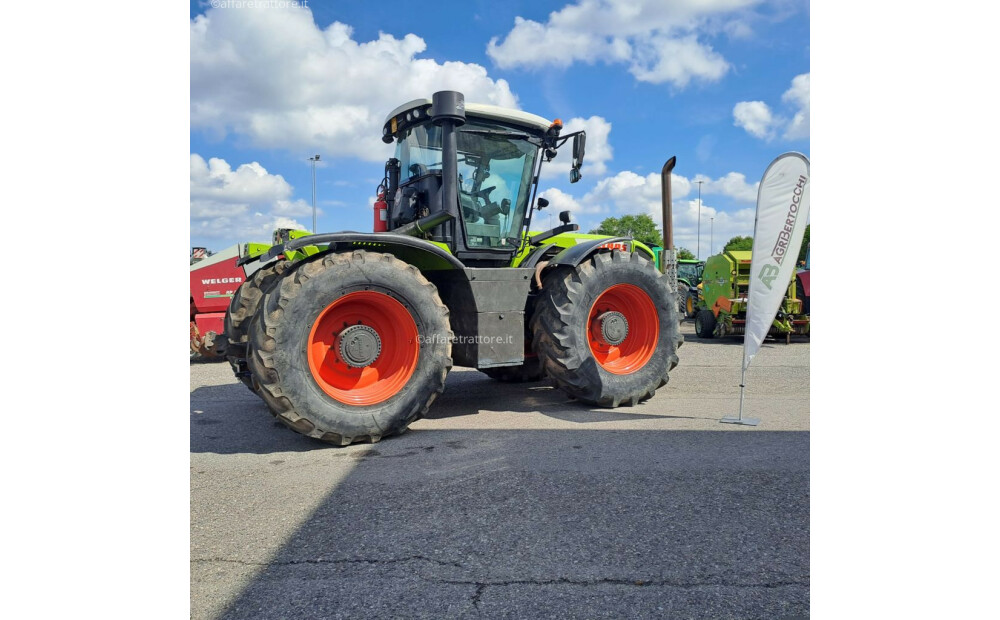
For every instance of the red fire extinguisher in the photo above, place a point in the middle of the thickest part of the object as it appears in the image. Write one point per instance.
(381, 214)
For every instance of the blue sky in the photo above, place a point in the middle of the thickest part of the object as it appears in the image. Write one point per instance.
(721, 84)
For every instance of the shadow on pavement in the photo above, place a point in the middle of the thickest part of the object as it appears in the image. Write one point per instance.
(229, 419)
(560, 523)
(469, 393)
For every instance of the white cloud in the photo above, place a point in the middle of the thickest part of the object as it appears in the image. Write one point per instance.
(660, 40)
(678, 61)
(734, 185)
(629, 193)
(755, 117)
(561, 201)
(273, 77)
(758, 119)
(247, 203)
(798, 95)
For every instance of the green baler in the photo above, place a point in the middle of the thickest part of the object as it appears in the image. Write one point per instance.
(723, 306)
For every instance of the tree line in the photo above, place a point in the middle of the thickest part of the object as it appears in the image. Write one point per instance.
(642, 228)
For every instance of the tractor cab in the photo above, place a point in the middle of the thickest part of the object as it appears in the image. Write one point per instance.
(465, 175)
(689, 271)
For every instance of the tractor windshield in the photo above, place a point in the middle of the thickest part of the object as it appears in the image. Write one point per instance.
(495, 166)
(690, 272)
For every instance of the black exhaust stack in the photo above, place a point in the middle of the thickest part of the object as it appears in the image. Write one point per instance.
(448, 112)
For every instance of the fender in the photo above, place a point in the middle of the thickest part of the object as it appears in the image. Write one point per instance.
(580, 252)
(420, 253)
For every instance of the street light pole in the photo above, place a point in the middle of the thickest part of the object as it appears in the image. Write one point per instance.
(699, 218)
(314, 160)
(711, 239)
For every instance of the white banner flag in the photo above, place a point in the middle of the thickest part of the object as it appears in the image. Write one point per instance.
(782, 213)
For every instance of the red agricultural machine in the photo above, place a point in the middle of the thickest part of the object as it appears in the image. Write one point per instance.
(215, 278)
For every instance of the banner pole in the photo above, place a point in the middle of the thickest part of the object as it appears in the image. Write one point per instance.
(743, 384)
(741, 419)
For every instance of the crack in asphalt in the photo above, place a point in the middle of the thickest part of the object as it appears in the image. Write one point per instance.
(639, 583)
(482, 585)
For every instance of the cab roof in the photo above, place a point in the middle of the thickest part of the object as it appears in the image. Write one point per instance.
(507, 116)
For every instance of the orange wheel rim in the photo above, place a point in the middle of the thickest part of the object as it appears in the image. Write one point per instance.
(615, 350)
(366, 378)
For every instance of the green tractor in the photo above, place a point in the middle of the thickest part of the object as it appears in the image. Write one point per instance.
(349, 336)
(722, 309)
(688, 278)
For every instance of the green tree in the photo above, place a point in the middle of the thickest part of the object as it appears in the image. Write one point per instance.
(738, 243)
(685, 254)
(639, 227)
(805, 246)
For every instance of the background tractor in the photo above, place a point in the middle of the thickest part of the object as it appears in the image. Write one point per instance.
(723, 307)
(688, 278)
(354, 341)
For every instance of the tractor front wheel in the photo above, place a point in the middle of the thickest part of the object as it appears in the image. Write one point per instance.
(351, 347)
(606, 331)
(691, 303)
(704, 323)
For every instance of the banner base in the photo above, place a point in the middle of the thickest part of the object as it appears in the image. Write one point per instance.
(743, 421)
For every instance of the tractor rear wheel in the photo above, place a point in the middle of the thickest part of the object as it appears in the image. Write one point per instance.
(351, 347)
(242, 307)
(704, 323)
(530, 370)
(606, 331)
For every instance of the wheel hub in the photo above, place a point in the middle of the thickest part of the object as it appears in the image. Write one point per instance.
(614, 327)
(359, 345)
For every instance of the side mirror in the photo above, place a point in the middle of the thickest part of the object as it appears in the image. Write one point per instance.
(542, 203)
(579, 148)
(564, 217)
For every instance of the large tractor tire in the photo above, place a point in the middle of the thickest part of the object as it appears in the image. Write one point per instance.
(351, 347)
(704, 323)
(242, 307)
(682, 294)
(606, 331)
(530, 370)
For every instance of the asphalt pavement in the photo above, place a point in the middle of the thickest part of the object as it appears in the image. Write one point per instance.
(513, 501)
